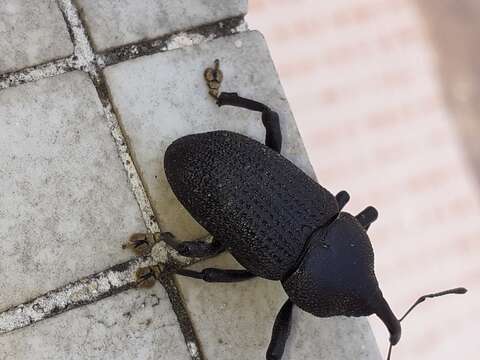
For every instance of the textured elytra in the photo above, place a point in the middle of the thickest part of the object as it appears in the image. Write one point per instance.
(248, 196)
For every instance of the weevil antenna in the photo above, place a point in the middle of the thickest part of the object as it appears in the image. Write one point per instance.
(421, 299)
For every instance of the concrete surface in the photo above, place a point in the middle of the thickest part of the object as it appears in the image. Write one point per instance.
(66, 205)
(31, 32)
(131, 325)
(113, 23)
(71, 204)
(162, 97)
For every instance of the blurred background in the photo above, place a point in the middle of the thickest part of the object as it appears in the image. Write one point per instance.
(385, 93)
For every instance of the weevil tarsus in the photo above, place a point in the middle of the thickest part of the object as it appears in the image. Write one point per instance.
(214, 78)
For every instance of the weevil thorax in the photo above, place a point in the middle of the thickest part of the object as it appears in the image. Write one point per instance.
(336, 275)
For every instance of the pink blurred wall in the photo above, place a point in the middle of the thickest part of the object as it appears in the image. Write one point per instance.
(363, 81)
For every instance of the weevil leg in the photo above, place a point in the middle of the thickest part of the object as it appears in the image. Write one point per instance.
(200, 248)
(367, 216)
(280, 332)
(342, 199)
(217, 275)
(197, 248)
(270, 119)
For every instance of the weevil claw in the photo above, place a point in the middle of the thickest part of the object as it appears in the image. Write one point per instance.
(213, 77)
(141, 244)
(147, 276)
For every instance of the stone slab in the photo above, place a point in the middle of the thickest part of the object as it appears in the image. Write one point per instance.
(162, 97)
(66, 206)
(113, 23)
(132, 325)
(31, 32)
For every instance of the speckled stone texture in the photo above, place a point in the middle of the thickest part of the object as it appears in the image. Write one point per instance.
(119, 22)
(131, 325)
(163, 97)
(66, 207)
(31, 32)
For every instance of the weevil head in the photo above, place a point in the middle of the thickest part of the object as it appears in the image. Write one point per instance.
(336, 275)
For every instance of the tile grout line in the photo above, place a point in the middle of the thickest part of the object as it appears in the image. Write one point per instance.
(37, 72)
(78, 293)
(85, 53)
(149, 216)
(172, 41)
(86, 290)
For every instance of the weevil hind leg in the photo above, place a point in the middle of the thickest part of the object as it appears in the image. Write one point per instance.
(270, 119)
(280, 332)
(218, 275)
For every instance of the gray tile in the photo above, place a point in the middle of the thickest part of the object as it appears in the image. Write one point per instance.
(31, 32)
(118, 22)
(132, 325)
(66, 206)
(163, 97)
(339, 338)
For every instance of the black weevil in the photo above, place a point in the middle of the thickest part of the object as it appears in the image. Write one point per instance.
(276, 222)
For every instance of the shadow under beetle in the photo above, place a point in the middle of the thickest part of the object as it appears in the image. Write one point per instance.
(276, 222)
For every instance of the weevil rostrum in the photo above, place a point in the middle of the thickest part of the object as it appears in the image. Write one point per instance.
(276, 221)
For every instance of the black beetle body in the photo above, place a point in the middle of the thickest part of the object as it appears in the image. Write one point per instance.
(277, 222)
(250, 197)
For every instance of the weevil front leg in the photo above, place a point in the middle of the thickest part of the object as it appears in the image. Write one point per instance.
(270, 119)
(280, 332)
(217, 275)
(273, 138)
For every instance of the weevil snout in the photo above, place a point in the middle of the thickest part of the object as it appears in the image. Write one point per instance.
(385, 313)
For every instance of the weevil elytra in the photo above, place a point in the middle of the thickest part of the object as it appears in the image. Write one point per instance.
(276, 221)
